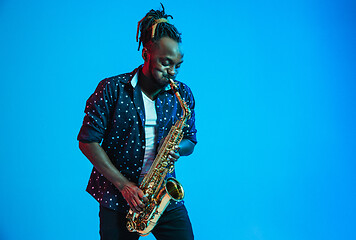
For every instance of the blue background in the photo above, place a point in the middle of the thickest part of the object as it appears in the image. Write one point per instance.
(274, 83)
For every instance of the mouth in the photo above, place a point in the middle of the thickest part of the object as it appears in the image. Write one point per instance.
(168, 77)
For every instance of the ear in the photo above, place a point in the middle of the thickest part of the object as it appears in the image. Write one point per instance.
(145, 54)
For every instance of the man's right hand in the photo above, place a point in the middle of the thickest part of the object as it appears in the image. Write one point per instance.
(134, 197)
(98, 157)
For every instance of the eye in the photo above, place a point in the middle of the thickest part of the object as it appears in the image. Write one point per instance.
(165, 63)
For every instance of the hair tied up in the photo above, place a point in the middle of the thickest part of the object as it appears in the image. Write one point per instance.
(154, 26)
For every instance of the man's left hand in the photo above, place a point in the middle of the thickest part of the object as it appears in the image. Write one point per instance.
(174, 154)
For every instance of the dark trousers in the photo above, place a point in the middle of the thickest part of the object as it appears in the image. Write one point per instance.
(172, 225)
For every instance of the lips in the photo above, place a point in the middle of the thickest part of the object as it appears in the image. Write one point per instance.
(167, 77)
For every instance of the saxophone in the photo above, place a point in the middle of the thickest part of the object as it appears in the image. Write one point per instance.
(158, 190)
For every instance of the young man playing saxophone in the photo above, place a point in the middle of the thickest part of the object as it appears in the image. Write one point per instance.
(129, 115)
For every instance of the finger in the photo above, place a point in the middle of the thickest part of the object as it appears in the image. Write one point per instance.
(173, 156)
(131, 193)
(135, 206)
(142, 197)
(145, 199)
(176, 148)
(134, 202)
(140, 193)
(139, 204)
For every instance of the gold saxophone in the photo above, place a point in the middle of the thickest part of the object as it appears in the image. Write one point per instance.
(158, 190)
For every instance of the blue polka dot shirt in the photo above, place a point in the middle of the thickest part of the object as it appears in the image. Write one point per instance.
(115, 117)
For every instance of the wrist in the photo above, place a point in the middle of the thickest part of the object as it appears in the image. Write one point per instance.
(122, 184)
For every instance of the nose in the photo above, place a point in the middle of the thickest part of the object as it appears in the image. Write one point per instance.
(172, 71)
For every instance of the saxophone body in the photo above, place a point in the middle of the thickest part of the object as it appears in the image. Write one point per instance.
(158, 190)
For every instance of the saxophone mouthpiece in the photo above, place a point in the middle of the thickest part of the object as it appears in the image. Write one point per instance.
(172, 83)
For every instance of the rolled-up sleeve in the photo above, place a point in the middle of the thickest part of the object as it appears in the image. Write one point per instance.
(97, 112)
(190, 130)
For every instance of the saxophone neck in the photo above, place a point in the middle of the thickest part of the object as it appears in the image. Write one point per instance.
(186, 110)
(173, 85)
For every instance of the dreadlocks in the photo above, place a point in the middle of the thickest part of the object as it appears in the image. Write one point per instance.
(155, 26)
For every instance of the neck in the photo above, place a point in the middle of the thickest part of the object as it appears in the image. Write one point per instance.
(148, 85)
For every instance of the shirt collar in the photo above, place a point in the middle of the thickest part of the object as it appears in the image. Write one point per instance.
(134, 80)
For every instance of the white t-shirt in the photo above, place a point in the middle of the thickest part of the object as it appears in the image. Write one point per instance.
(150, 134)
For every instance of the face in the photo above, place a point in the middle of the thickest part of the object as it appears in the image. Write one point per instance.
(163, 60)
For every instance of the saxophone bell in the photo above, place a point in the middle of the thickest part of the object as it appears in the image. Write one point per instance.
(174, 189)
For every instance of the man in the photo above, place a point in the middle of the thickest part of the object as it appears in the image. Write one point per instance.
(129, 115)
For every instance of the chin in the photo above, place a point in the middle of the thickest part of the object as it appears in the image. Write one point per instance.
(162, 81)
